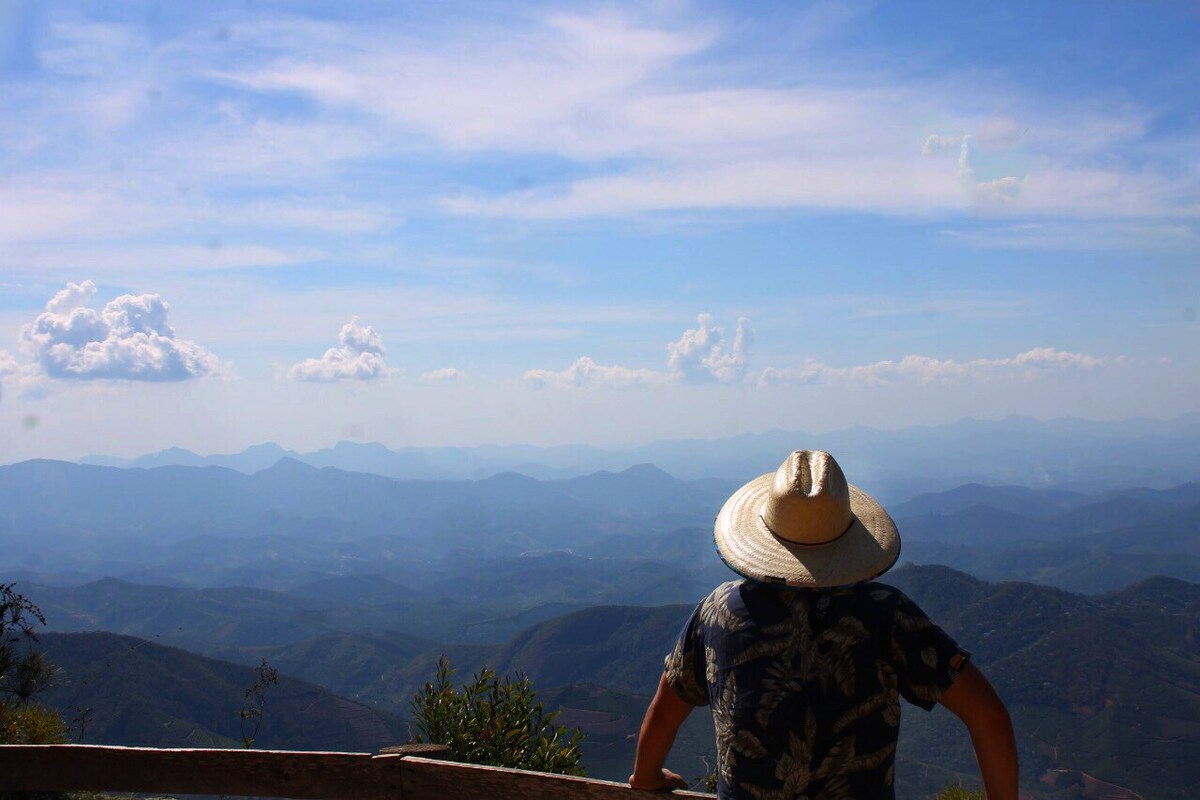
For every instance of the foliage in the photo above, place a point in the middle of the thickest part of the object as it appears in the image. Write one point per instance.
(251, 713)
(23, 673)
(30, 723)
(495, 721)
(959, 793)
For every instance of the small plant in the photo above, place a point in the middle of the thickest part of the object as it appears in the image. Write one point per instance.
(706, 782)
(80, 722)
(495, 721)
(960, 793)
(251, 712)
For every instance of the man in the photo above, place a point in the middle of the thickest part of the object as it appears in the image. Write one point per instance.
(804, 661)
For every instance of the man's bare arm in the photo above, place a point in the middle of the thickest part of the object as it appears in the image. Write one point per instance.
(666, 713)
(973, 700)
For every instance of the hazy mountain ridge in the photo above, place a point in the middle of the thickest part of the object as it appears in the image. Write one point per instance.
(894, 464)
(1089, 543)
(293, 524)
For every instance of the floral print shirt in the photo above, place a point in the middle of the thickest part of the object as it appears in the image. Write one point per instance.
(805, 685)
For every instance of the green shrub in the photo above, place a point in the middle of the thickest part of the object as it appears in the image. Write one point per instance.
(495, 721)
(30, 723)
(24, 673)
(959, 793)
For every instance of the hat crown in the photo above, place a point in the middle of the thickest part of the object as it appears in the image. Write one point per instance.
(809, 501)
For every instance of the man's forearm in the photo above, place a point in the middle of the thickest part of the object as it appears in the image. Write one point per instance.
(666, 713)
(996, 752)
(973, 700)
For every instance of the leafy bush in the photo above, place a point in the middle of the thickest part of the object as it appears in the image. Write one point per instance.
(30, 723)
(495, 721)
(24, 673)
(959, 793)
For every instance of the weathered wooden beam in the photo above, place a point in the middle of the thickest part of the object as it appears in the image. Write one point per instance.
(263, 773)
(430, 779)
(396, 775)
(438, 751)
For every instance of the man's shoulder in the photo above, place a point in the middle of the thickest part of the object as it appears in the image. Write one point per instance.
(725, 588)
(873, 597)
(881, 592)
(721, 595)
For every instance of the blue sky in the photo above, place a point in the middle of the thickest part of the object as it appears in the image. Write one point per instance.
(460, 223)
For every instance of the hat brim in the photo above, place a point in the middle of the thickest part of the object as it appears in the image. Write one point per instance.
(868, 548)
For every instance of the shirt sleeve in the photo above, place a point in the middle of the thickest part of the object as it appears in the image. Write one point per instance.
(684, 668)
(924, 656)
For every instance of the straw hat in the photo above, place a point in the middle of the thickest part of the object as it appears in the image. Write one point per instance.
(805, 526)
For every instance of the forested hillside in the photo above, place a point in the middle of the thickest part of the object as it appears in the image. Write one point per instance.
(1094, 682)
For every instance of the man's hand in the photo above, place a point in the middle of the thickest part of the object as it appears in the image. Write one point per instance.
(665, 779)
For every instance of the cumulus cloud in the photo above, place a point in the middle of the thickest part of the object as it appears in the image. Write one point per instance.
(700, 355)
(935, 144)
(129, 339)
(925, 369)
(359, 357)
(8, 364)
(444, 375)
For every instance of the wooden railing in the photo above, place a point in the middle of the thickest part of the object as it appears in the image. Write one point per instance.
(408, 772)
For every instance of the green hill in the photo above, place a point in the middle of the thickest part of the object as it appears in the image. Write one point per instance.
(141, 693)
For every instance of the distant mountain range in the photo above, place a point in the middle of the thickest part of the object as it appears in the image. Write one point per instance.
(514, 543)
(1102, 688)
(892, 464)
(1087, 543)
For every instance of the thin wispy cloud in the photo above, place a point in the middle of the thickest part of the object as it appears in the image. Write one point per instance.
(610, 92)
(1110, 235)
(359, 356)
(1029, 365)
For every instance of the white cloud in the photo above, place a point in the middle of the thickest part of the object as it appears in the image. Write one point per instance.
(444, 375)
(925, 369)
(999, 192)
(129, 339)
(358, 358)
(8, 364)
(628, 98)
(612, 92)
(585, 373)
(901, 187)
(965, 170)
(939, 144)
(702, 354)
